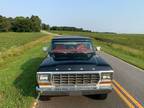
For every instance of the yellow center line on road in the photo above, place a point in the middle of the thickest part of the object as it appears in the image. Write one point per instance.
(126, 93)
(123, 97)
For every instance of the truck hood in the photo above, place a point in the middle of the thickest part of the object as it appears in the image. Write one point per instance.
(95, 63)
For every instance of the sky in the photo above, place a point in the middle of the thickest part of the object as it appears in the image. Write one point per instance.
(121, 16)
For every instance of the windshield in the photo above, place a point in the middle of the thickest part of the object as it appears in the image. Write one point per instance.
(72, 49)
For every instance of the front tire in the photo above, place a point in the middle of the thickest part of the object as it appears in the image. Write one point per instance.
(44, 98)
(98, 96)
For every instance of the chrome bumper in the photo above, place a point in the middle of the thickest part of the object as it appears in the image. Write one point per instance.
(74, 90)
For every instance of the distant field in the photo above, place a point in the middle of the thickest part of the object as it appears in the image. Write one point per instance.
(11, 39)
(129, 47)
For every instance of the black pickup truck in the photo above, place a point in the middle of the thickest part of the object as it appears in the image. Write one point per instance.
(72, 67)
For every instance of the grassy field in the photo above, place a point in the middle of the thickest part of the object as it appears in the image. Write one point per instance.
(12, 39)
(18, 74)
(9, 43)
(129, 47)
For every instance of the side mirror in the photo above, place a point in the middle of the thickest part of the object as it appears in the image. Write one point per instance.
(45, 49)
(98, 48)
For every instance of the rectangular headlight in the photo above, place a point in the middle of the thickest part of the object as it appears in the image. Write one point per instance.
(44, 77)
(106, 76)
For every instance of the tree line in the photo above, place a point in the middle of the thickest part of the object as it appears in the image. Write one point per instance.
(30, 24)
(66, 28)
(20, 24)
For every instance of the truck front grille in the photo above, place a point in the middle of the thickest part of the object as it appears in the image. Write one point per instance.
(75, 79)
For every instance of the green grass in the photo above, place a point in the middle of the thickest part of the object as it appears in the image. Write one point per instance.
(12, 39)
(18, 79)
(129, 47)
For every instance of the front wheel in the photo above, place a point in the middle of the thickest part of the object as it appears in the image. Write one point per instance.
(44, 98)
(98, 96)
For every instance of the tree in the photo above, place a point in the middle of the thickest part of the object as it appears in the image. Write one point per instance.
(5, 25)
(35, 23)
(22, 24)
(11, 21)
(45, 26)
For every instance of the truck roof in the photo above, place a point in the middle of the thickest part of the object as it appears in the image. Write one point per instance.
(71, 38)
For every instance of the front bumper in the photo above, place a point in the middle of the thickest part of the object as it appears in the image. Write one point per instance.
(74, 90)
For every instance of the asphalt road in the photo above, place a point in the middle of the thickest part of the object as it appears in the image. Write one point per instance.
(128, 76)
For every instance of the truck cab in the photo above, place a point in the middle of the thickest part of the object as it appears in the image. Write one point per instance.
(73, 67)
